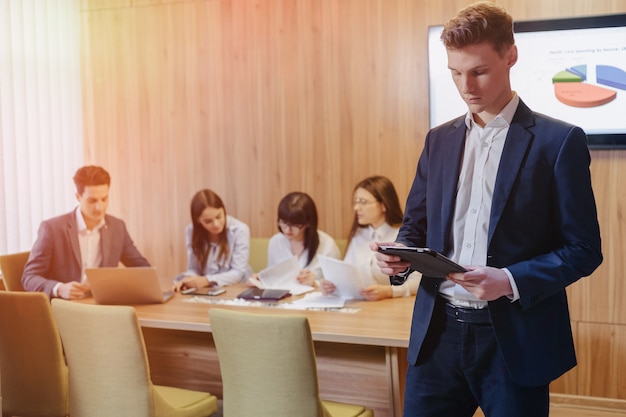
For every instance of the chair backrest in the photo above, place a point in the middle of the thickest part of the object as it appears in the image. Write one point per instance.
(342, 243)
(267, 364)
(258, 253)
(12, 267)
(32, 368)
(108, 366)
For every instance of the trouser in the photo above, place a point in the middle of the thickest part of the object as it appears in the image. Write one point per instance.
(460, 368)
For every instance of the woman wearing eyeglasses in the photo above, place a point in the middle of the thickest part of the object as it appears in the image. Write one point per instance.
(377, 218)
(300, 237)
(218, 245)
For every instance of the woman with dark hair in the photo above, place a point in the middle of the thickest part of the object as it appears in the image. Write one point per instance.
(377, 218)
(218, 245)
(300, 237)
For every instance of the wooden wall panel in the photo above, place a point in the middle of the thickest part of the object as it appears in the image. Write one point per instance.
(252, 102)
(567, 383)
(602, 360)
(599, 298)
(258, 98)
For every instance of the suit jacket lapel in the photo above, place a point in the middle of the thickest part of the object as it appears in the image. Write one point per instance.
(72, 234)
(514, 152)
(450, 176)
(104, 242)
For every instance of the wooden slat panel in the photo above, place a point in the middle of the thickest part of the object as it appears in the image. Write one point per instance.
(252, 102)
(567, 382)
(602, 360)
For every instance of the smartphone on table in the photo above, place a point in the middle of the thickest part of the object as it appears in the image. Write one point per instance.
(210, 291)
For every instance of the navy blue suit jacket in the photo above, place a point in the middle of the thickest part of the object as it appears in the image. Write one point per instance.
(543, 228)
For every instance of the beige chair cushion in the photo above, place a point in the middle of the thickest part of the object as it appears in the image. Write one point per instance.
(174, 402)
(109, 374)
(268, 366)
(32, 368)
(332, 408)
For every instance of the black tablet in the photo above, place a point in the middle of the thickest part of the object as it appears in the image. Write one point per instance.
(258, 294)
(427, 261)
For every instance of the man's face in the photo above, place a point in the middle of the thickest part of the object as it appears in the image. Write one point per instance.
(93, 203)
(481, 76)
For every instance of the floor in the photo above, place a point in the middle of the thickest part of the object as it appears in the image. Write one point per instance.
(557, 410)
(571, 411)
(219, 410)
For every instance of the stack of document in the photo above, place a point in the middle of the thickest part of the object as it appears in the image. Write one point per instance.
(348, 280)
(319, 300)
(283, 276)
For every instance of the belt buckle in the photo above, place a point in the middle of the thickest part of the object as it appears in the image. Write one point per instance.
(469, 315)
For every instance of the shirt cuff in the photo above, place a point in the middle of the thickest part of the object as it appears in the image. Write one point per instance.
(55, 290)
(515, 295)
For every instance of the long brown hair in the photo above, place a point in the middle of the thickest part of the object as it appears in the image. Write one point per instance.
(200, 239)
(299, 208)
(384, 192)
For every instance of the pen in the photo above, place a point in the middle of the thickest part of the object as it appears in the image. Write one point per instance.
(188, 291)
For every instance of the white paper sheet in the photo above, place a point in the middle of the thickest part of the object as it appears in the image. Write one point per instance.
(319, 300)
(283, 276)
(347, 279)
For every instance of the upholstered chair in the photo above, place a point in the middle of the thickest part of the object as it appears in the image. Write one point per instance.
(34, 377)
(268, 367)
(12, 267)
(109, 373)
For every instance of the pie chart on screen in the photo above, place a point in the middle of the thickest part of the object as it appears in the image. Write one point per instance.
(572, 86)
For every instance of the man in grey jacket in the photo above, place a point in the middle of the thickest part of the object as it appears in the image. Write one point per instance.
(84, 238)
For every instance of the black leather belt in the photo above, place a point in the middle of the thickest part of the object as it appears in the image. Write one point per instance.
(468, 315)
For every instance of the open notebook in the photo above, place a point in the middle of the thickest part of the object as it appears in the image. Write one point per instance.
(348, 280)
(136, 285)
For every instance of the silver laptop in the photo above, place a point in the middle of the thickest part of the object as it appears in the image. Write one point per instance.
(136, 285)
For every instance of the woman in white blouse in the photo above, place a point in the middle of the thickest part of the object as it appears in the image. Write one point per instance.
(218, 245)
(377, 218)
(299, 237)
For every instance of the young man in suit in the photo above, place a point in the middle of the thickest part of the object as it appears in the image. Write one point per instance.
(507, 193)
(84, 238)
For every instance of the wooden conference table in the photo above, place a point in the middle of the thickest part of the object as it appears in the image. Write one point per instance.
(361, 355)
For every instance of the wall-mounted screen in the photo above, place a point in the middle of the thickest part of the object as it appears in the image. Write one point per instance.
(571, 69)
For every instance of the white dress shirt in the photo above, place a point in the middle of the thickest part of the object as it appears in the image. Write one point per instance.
(481, 160)
(360, 255)
(279, 249)
(89, 244)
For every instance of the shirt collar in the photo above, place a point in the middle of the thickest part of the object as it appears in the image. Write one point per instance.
(504, 118)
(80, 222)
(382, 230)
